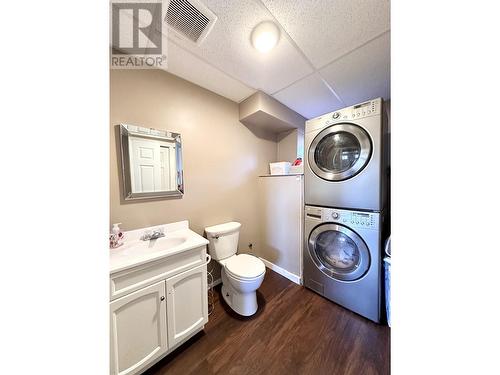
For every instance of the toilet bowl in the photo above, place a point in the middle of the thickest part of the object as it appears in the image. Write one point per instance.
(239, 286)
(242, 274)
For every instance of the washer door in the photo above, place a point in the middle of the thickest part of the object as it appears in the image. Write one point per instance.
(339, 152)
(339, 252)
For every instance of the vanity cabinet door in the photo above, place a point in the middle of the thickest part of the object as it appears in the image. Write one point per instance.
(138, 329)
(187, 307)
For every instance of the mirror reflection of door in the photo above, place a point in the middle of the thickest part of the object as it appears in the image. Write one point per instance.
(153, 165)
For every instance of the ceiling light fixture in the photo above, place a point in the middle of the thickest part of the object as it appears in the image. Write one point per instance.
(265, 36)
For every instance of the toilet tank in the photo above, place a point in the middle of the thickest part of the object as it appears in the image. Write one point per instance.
(223, 239)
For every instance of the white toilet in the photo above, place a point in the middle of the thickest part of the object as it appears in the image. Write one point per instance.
(241, 274)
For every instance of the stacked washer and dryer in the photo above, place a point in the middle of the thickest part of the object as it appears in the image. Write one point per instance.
(345, 197)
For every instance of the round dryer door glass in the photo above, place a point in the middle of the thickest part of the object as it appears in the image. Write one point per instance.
(339, 152)
(339, 252)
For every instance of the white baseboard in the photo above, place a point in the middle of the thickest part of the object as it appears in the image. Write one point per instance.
(283, 272)
(215, 283)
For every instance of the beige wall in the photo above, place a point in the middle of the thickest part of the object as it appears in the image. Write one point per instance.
(290, 145)
(287, 146)
(222, 157)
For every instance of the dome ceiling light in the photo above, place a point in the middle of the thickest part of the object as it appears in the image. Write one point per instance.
(265, 36)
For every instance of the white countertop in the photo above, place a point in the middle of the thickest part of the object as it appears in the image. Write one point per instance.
(134, 252)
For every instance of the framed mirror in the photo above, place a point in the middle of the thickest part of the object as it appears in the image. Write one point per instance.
(151, 163)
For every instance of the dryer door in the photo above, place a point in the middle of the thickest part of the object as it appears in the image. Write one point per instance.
(339, 152)
(339, 252)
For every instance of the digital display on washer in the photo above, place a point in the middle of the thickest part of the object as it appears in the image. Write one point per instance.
(362, 215)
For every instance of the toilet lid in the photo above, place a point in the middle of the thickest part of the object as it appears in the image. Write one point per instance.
(245, 266)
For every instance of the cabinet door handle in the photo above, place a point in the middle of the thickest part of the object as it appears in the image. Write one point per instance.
(162, 298)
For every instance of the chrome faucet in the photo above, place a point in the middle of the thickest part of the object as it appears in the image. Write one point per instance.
(153, 235)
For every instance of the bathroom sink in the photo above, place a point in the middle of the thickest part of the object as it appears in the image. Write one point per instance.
(159, 244)
(167, 242)
(178, 237)
(164, 243)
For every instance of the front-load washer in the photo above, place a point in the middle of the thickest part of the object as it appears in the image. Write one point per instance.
(342, 258)
(345, 158)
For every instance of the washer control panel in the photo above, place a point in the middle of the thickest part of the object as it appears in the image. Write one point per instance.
(352, 219)
(360, 219)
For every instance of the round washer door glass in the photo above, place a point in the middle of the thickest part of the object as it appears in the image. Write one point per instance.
(339, 152)
(339, 252)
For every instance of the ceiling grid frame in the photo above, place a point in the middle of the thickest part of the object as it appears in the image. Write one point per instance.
(215, 67)
(296, 85)
(290, 39)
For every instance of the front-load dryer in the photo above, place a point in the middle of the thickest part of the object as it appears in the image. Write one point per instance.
(342, 258)
(345, 159)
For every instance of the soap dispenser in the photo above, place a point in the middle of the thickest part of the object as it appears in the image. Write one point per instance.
(116, 228)
(116, 236)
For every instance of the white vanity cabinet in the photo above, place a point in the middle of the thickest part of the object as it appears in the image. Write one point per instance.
(138, 329)
(154, 308)
(187, 308)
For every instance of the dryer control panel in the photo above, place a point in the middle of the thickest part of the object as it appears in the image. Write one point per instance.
(349, 114)
(366, 109)
(352, 219)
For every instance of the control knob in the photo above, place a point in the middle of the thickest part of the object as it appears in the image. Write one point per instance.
(335, 215)
(336, 115)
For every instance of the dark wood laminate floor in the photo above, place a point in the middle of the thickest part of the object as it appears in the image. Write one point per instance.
(295, 331)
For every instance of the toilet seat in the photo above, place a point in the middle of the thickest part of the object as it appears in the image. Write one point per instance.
(245, 267)
(243, 279)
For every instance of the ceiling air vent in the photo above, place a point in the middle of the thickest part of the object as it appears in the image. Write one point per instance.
(191, 19)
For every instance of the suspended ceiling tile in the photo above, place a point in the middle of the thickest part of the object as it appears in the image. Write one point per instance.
(326, 29)
(362, 74)
(228, 48)
(185, 65)
(310, 97)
